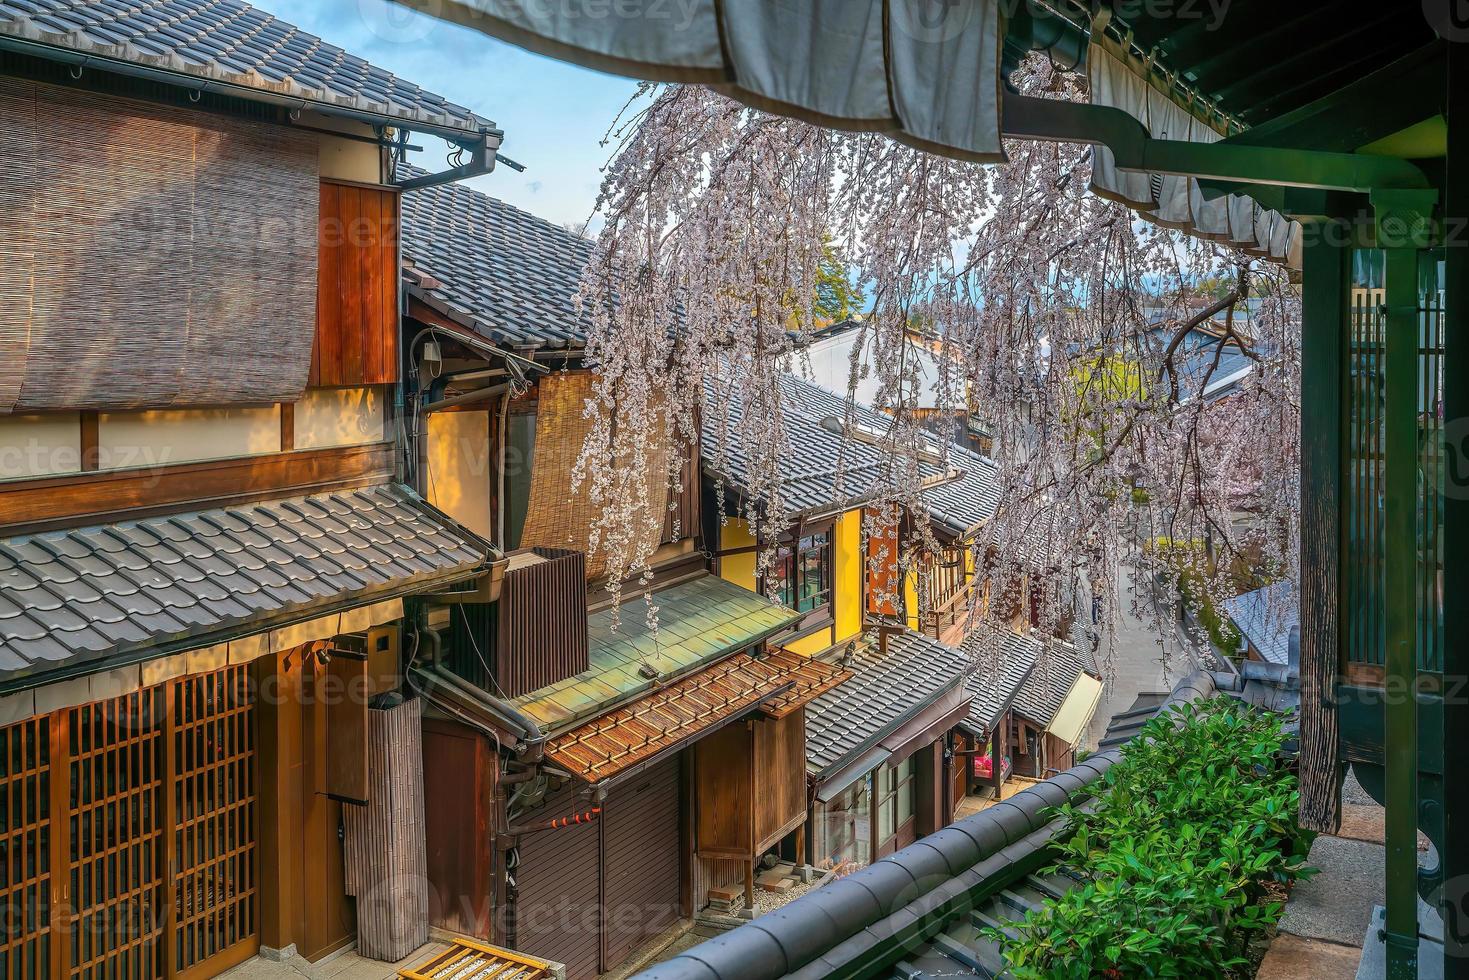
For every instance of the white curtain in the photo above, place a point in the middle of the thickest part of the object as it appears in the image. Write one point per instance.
(1174, 201)
(927, 72)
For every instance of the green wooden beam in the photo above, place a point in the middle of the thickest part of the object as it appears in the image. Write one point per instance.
(1403, 227)
(1025, 117)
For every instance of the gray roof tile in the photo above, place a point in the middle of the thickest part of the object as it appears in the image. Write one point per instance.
(504, 272)
(69, 597)
(1005, 662)
(231, 41)
(1266, 618)
(885, 691)
(826, 468)
(1058, 664)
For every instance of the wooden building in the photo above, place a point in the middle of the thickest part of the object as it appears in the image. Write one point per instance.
(589, 778)
(1053, 710)
(204, 547)
(1004, 663)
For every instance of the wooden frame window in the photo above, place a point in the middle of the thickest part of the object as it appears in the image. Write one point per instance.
(844, 827)
(801, 572)
(897, 800)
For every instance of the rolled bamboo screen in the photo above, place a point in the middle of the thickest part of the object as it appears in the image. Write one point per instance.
(555, 516)
(151, 256)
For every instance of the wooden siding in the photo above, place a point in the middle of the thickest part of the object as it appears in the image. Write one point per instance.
(723, 791)
(36, 505)
(154, 256)
(558, 893)
(357, 283)
(779, 777)
(642, 862)
(542, 623)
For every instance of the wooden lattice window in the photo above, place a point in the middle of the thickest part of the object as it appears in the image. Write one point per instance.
(99, 802)
(116, 833)
(214, 807)
(25, 850)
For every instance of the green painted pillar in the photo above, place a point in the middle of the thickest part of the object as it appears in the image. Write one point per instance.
(1454, 898)
(1402, 228)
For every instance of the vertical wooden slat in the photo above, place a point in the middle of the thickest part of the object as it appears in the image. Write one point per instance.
(355, 247)
(332, 233)
(386, 861)
(369, 254)
(391, 281)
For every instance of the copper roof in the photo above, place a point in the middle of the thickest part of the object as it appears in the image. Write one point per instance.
(812, 678)
(667, 719)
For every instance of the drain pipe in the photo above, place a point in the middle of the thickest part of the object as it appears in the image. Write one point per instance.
(457, 694)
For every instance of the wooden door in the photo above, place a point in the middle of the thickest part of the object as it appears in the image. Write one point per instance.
(129, 834)
(641, 860)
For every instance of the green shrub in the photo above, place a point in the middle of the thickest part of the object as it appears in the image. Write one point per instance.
(1191, 826)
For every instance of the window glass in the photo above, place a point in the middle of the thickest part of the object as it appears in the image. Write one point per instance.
(520, 449)
(844, 829)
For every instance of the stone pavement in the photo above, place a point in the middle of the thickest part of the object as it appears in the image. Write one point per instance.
(1328, 917)
(1140, 664)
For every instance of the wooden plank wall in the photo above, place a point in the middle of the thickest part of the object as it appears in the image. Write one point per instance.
(357, 294)
(780, 777)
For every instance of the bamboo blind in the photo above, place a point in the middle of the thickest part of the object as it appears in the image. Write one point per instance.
(151, 256)
(383, 843)
(555, 516)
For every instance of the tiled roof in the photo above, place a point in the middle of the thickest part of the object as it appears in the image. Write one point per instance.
(886, 689)
(672, 716)
(1005, 661)
(229, 41)
(497, 269)
(1054, 675)
(699, 621)
(1266, 617)
(100, 592)
(820, 453)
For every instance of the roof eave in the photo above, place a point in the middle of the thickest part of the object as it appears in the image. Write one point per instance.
(359, 110)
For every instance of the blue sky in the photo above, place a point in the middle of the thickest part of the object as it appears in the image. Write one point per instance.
(553, 114)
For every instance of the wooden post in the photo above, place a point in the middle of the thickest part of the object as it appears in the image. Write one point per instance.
(278, 679)
(1401, 221)
(997, 748)
(750, 883)
(1324, 312)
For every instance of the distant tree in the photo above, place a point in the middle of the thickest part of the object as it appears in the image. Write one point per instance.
(836, 299)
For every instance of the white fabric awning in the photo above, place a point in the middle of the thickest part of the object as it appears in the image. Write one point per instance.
(1170, 200)
(1076, 712)
(926, 72)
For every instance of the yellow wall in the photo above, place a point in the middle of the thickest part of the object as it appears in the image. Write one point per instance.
(327, 417)
(739, 569)
(40, 445)
(847, 577)
(910, 598)
(346, 159)
(131, 439)
(459, 468)
(847, 571)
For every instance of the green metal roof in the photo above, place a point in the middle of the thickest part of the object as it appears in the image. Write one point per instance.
(699, 622)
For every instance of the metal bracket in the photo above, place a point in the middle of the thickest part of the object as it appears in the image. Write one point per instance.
(482, 161)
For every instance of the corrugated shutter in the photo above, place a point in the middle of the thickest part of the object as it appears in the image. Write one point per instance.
(641, 842)
(151, 256)
(558, 891)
